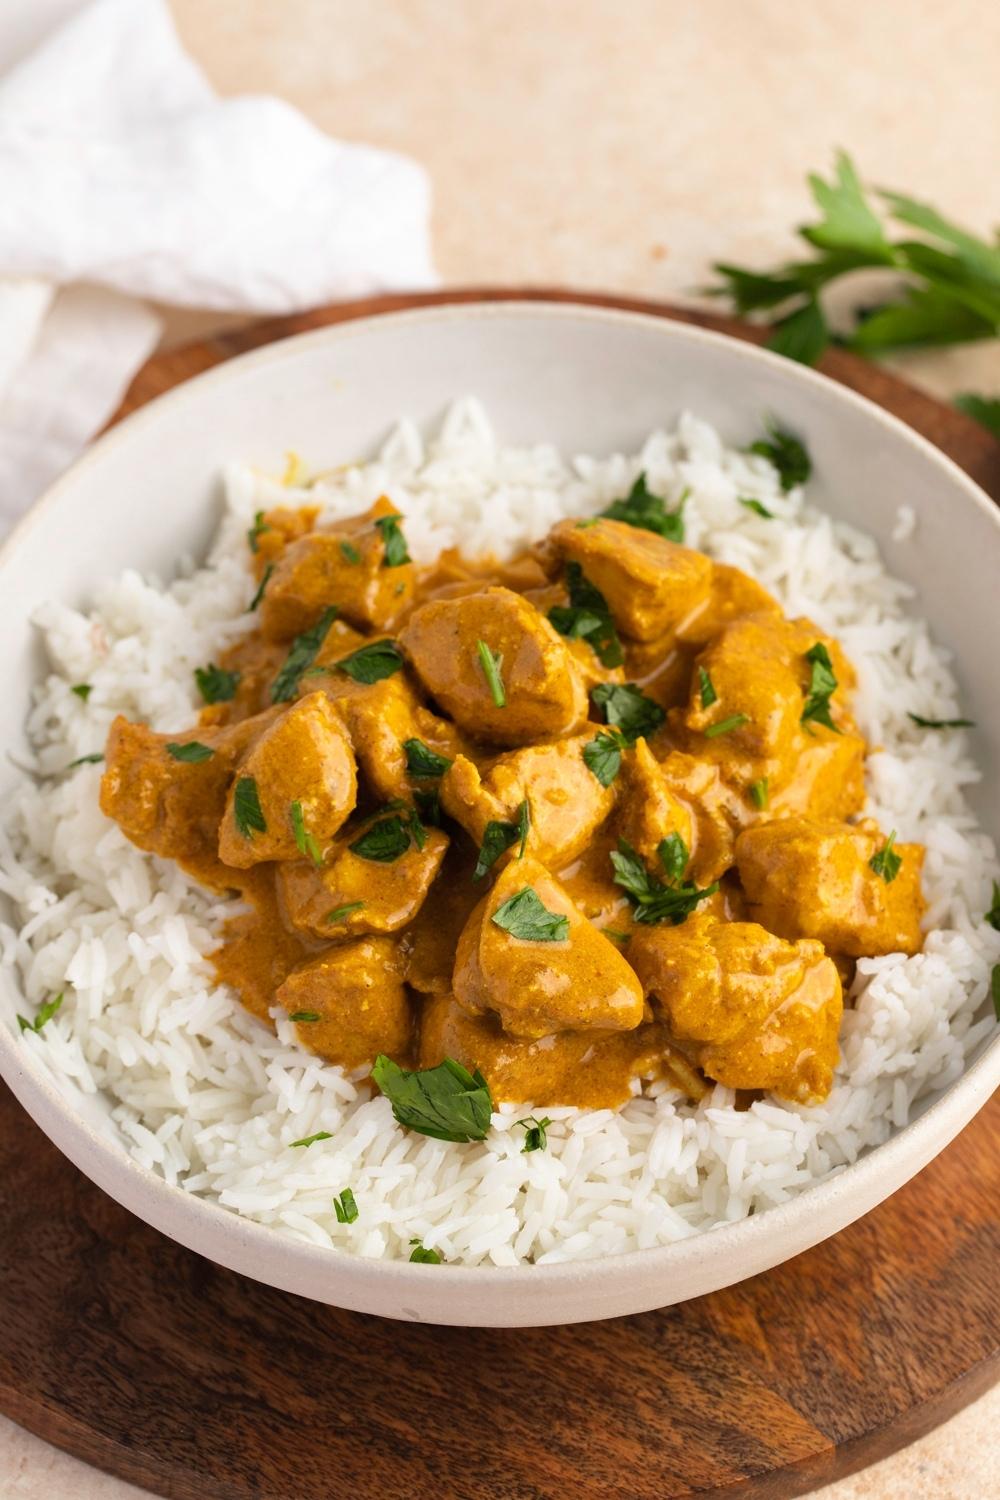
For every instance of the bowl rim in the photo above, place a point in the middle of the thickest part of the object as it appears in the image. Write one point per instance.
(155, 1200)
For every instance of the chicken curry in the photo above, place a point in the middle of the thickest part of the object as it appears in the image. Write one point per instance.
(576, 820)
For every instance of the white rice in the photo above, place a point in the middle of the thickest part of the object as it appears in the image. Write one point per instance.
(211, 1100)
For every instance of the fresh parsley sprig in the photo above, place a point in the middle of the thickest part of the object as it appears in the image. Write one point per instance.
(588, 618)
(657, 900)
(447, 1103)
(648, 512)
(498, 837)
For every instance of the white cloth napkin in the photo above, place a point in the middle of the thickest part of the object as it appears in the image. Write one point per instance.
(123, 176)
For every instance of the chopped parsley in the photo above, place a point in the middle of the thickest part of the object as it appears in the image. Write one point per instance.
(350, 553)
(656, 900)
(429, 807)
(340, 912)
(300, 1017)
(674, 855)
(491, 666)
(310, 1140)
(535, 1133)
(648, 512)
(627, 708)
(422, 1256)
(93, 759)
(215, 684)
(302, 654)
(603, 754)
(524, 917)
(887, 862)
(423, 763)
(706, 689)
(82, 690)
(758, 508)
(822, 686)
(588, 618)
(45, 1014)
(259, 526)
(923, 723)
(499, 837)
(726, 726)
(191, 752)
(993, 915)
(305, 842)
(393, 542)
(247, 809)
(787, 455)
(759, 794)
(258, 596)
(345, 1207)
(385, 841)
(372, 663)
(448, 1103)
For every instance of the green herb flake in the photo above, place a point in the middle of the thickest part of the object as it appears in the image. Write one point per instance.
(759, 793)
(448, 1103)
(923, 723)
(648, 512)
(429, 807)
(421, 1256)
(535, 1133)
(305, 842)
(674, 856)
(393, 542)
(886, 862)
(45, 1014)
(258, 596)
(786, 454)
(524, 917)
(340, 912)
(423, 763)
(191, 752)
(627, 708)
(310, 1140)
(822, 686)
(417, 833)
(93, 759)
(993, 915)
(603, 755)
(499, 837)
(247, 809)
(726, 726)
(350, 553)
(491, 666)
(372, 663)
(758, 508)
(385, 841)
(588, 618)
(345, 1207)
(259, 526)
(301, 656)
(655, 900)
(215, 684)
(523, 827)
(304, 1017)
(82, 690)
(706, 689)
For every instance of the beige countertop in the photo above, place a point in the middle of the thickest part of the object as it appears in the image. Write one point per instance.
(623, 145)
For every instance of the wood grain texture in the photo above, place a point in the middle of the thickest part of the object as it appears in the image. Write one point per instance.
(147, 1360)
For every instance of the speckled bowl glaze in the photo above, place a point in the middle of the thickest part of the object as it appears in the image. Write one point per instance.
(585, 379)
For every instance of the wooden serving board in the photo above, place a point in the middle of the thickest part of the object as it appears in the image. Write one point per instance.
(140, 1357)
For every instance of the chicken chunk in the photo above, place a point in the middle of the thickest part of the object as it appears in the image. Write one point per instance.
(593, 1070)
(566, 802)
(815, 879)
(172, 806)
(349, 565)
(678, 795)
(828, 780)
(757, 1012)
(383, 718)
(648, 811)
(650, 584)
(304, 757)
(349, 895)
(356, 994)
(574, 980)
(732, 594)
(449, 642)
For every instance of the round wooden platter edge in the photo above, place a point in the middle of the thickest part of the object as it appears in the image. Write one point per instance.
(166, 1370)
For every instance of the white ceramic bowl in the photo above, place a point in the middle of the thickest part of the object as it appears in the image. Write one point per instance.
(588, 380)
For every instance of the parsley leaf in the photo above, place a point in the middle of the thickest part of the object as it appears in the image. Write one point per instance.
(192, 752)
(587, 617)
(627, 708)
(350, 553)
(45, 1014)
(448, 1103)
(423, 763)
(993, 915)
(310, 1140)
(345, 1207)
(982, 409)
(93, 759)
(706, 689)
(758, 508)
(726, 726)
(887, 862)
(302, 654)
(82, 690)
(923, 723)
(300, 1017)
(657, 901)
(524, 917)
(393, 542)
(259, 525)
(759, 794)
(491, 666)
(215, 684)
(422, 1256)
(822, 686)
(340, 912)
(429, 807)
(603, 755)
(247, 809)
(305, 842)
(386, 840)
(786, 454)
(372, 663)
(258, 596)
(499, 837)
(674, 856)
(535, 1136)
(648, 512)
